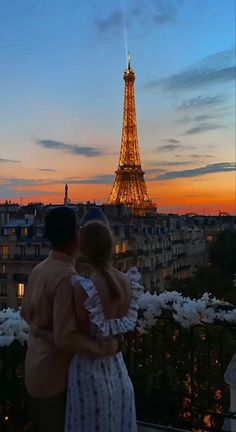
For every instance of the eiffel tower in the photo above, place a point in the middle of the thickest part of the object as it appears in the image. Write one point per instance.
(129, 187)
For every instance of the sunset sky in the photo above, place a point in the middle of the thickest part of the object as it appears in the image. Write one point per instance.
(62, 90)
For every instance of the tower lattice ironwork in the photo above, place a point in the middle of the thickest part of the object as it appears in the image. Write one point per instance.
(129, 187)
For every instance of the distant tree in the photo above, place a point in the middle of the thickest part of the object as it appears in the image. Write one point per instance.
(223, 253)
(35, 204)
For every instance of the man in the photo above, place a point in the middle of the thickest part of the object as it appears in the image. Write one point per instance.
(48, 307)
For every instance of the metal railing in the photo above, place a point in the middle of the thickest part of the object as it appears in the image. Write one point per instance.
(178, 377)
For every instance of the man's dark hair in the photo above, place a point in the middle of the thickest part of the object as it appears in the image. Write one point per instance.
(60, 226)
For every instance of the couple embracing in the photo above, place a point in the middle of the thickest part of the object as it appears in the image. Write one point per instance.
(74, 370)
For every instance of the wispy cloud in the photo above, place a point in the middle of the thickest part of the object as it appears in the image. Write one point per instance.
(172, 141)
(20, 182)
(208, 169)
(175, 163)
(171, 147)
(168, 147)
(111, 24)
(3, 160)
(8, 193)
(204, 127)
(159, 13)
(100, 179)
(165, 11)
(200, 156)
(75, 149)
(214, 69)
(201, 102)
(47, 169)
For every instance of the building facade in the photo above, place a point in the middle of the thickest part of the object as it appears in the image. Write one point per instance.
(161, 247)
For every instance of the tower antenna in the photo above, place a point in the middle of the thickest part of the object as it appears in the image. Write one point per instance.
(129, 60)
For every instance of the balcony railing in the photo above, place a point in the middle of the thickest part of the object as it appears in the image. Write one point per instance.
(177, 375)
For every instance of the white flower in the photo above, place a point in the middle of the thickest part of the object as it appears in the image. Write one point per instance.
(12, 327)
(185, 311)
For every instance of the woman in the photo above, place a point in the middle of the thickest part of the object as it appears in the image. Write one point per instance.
(100, 394)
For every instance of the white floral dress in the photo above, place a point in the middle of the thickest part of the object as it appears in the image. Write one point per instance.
(100, 396)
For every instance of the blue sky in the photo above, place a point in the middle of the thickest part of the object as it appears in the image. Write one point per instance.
(61, 74)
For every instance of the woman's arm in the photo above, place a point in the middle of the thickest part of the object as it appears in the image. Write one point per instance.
(82, 314)
(68, 334)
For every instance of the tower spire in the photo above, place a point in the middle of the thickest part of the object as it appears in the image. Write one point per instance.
(66, 200)
(129, 187)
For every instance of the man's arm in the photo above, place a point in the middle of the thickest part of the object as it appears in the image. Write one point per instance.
(66, 332)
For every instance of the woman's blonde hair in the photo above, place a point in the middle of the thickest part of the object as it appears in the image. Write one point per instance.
(96, 244)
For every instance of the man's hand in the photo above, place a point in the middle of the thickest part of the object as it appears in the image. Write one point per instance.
(111, 346)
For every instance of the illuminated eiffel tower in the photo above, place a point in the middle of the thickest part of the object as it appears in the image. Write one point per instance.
(129, 187)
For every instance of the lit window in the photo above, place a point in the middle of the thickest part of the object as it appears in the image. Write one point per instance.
(4, 251)
(20, 290)
(24, 232)
(117, 248)
(124, 247)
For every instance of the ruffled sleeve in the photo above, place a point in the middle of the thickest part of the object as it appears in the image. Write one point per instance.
(115, 326)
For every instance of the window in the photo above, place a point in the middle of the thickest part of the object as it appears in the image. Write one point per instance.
(117, 248)
(124, 247)
(4, 251)
(24, 232)
(3, 289)
(4, 306)
(37, 251)
(3, 268)
(9, 231)
(39, 232)
(22, 251)
(20, 290)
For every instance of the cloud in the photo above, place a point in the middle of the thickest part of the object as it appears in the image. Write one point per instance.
(204, 127)
(172, 141)
(101, 179)
(70, 148)
(9, 193)
(46, 169)
(3, 160)
(172, 147)
(13, 182)
(201, 102)
(164, 18)
(208, 169)
(175, 163)
(214, 69)
(201, 156)
(19, 182)
(166, 11)
(111, 24)
(155, 12)
(168, 147)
